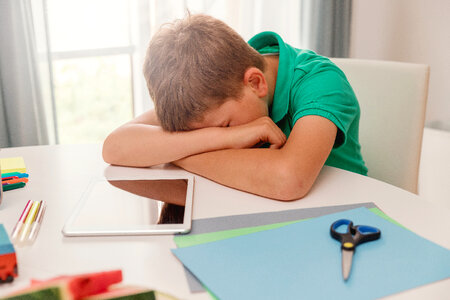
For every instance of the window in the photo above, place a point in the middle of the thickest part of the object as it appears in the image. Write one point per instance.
(93, 95)
(92, 48)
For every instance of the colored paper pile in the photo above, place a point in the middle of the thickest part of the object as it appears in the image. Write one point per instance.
(299, 259)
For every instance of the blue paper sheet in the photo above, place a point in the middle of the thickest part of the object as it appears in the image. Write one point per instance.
(302, 261)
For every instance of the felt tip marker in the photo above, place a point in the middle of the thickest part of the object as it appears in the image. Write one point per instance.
(37, 223)
(13, 186)
(18, 174)
(14, 180)
(22, 218)
(9, 178)
(29, 220)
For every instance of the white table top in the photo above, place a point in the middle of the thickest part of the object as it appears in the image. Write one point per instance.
(59, 175)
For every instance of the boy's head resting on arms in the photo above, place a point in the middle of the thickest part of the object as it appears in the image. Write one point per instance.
(201, 73)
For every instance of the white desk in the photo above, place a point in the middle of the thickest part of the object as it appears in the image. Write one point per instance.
(59, 174)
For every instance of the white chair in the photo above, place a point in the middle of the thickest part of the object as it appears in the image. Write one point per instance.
(392, 97)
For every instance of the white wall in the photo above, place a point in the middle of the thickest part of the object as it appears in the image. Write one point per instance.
(416, 31)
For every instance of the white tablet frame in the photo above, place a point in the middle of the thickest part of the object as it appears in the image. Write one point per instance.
(151, 229)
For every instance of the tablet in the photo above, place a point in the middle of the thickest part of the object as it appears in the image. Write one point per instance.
(115, 207)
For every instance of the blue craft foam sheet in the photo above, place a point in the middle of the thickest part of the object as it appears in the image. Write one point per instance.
(303, 261)
(257, 219)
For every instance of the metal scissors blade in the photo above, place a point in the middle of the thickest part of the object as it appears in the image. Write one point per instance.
(347, 258)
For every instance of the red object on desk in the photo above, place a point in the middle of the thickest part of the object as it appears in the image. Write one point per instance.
(8, 267)
(8, 260)
(85, 284)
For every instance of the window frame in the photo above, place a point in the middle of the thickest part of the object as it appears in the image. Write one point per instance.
(139, 27)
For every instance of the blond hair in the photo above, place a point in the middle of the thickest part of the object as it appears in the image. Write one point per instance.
(193, 65)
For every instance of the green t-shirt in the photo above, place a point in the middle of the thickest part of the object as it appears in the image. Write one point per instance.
(310, 84)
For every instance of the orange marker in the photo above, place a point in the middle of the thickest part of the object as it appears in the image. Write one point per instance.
(15, 180)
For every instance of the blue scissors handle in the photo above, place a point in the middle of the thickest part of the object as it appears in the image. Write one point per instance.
(354, 235)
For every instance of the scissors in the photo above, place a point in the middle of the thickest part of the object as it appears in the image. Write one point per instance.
(352, 237)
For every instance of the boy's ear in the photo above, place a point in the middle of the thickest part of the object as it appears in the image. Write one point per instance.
(255, 79)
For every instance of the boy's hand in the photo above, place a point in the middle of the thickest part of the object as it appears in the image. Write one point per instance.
(255, 133)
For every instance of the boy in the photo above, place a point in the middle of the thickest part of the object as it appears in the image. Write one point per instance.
(218, 99)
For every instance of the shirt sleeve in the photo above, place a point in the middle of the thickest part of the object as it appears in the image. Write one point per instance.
(326, 93)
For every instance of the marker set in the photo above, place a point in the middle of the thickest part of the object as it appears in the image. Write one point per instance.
(29, 223)
(14, 180)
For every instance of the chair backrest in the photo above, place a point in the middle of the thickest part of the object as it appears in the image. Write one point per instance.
(392, 97)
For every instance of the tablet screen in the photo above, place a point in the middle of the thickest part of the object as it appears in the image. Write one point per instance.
(123, 207)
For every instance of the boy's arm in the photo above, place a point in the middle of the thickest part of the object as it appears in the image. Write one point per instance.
(143, 143)
(283, 174)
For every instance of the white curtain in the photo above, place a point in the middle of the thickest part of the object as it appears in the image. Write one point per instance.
(22, 116)
(247, 17)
